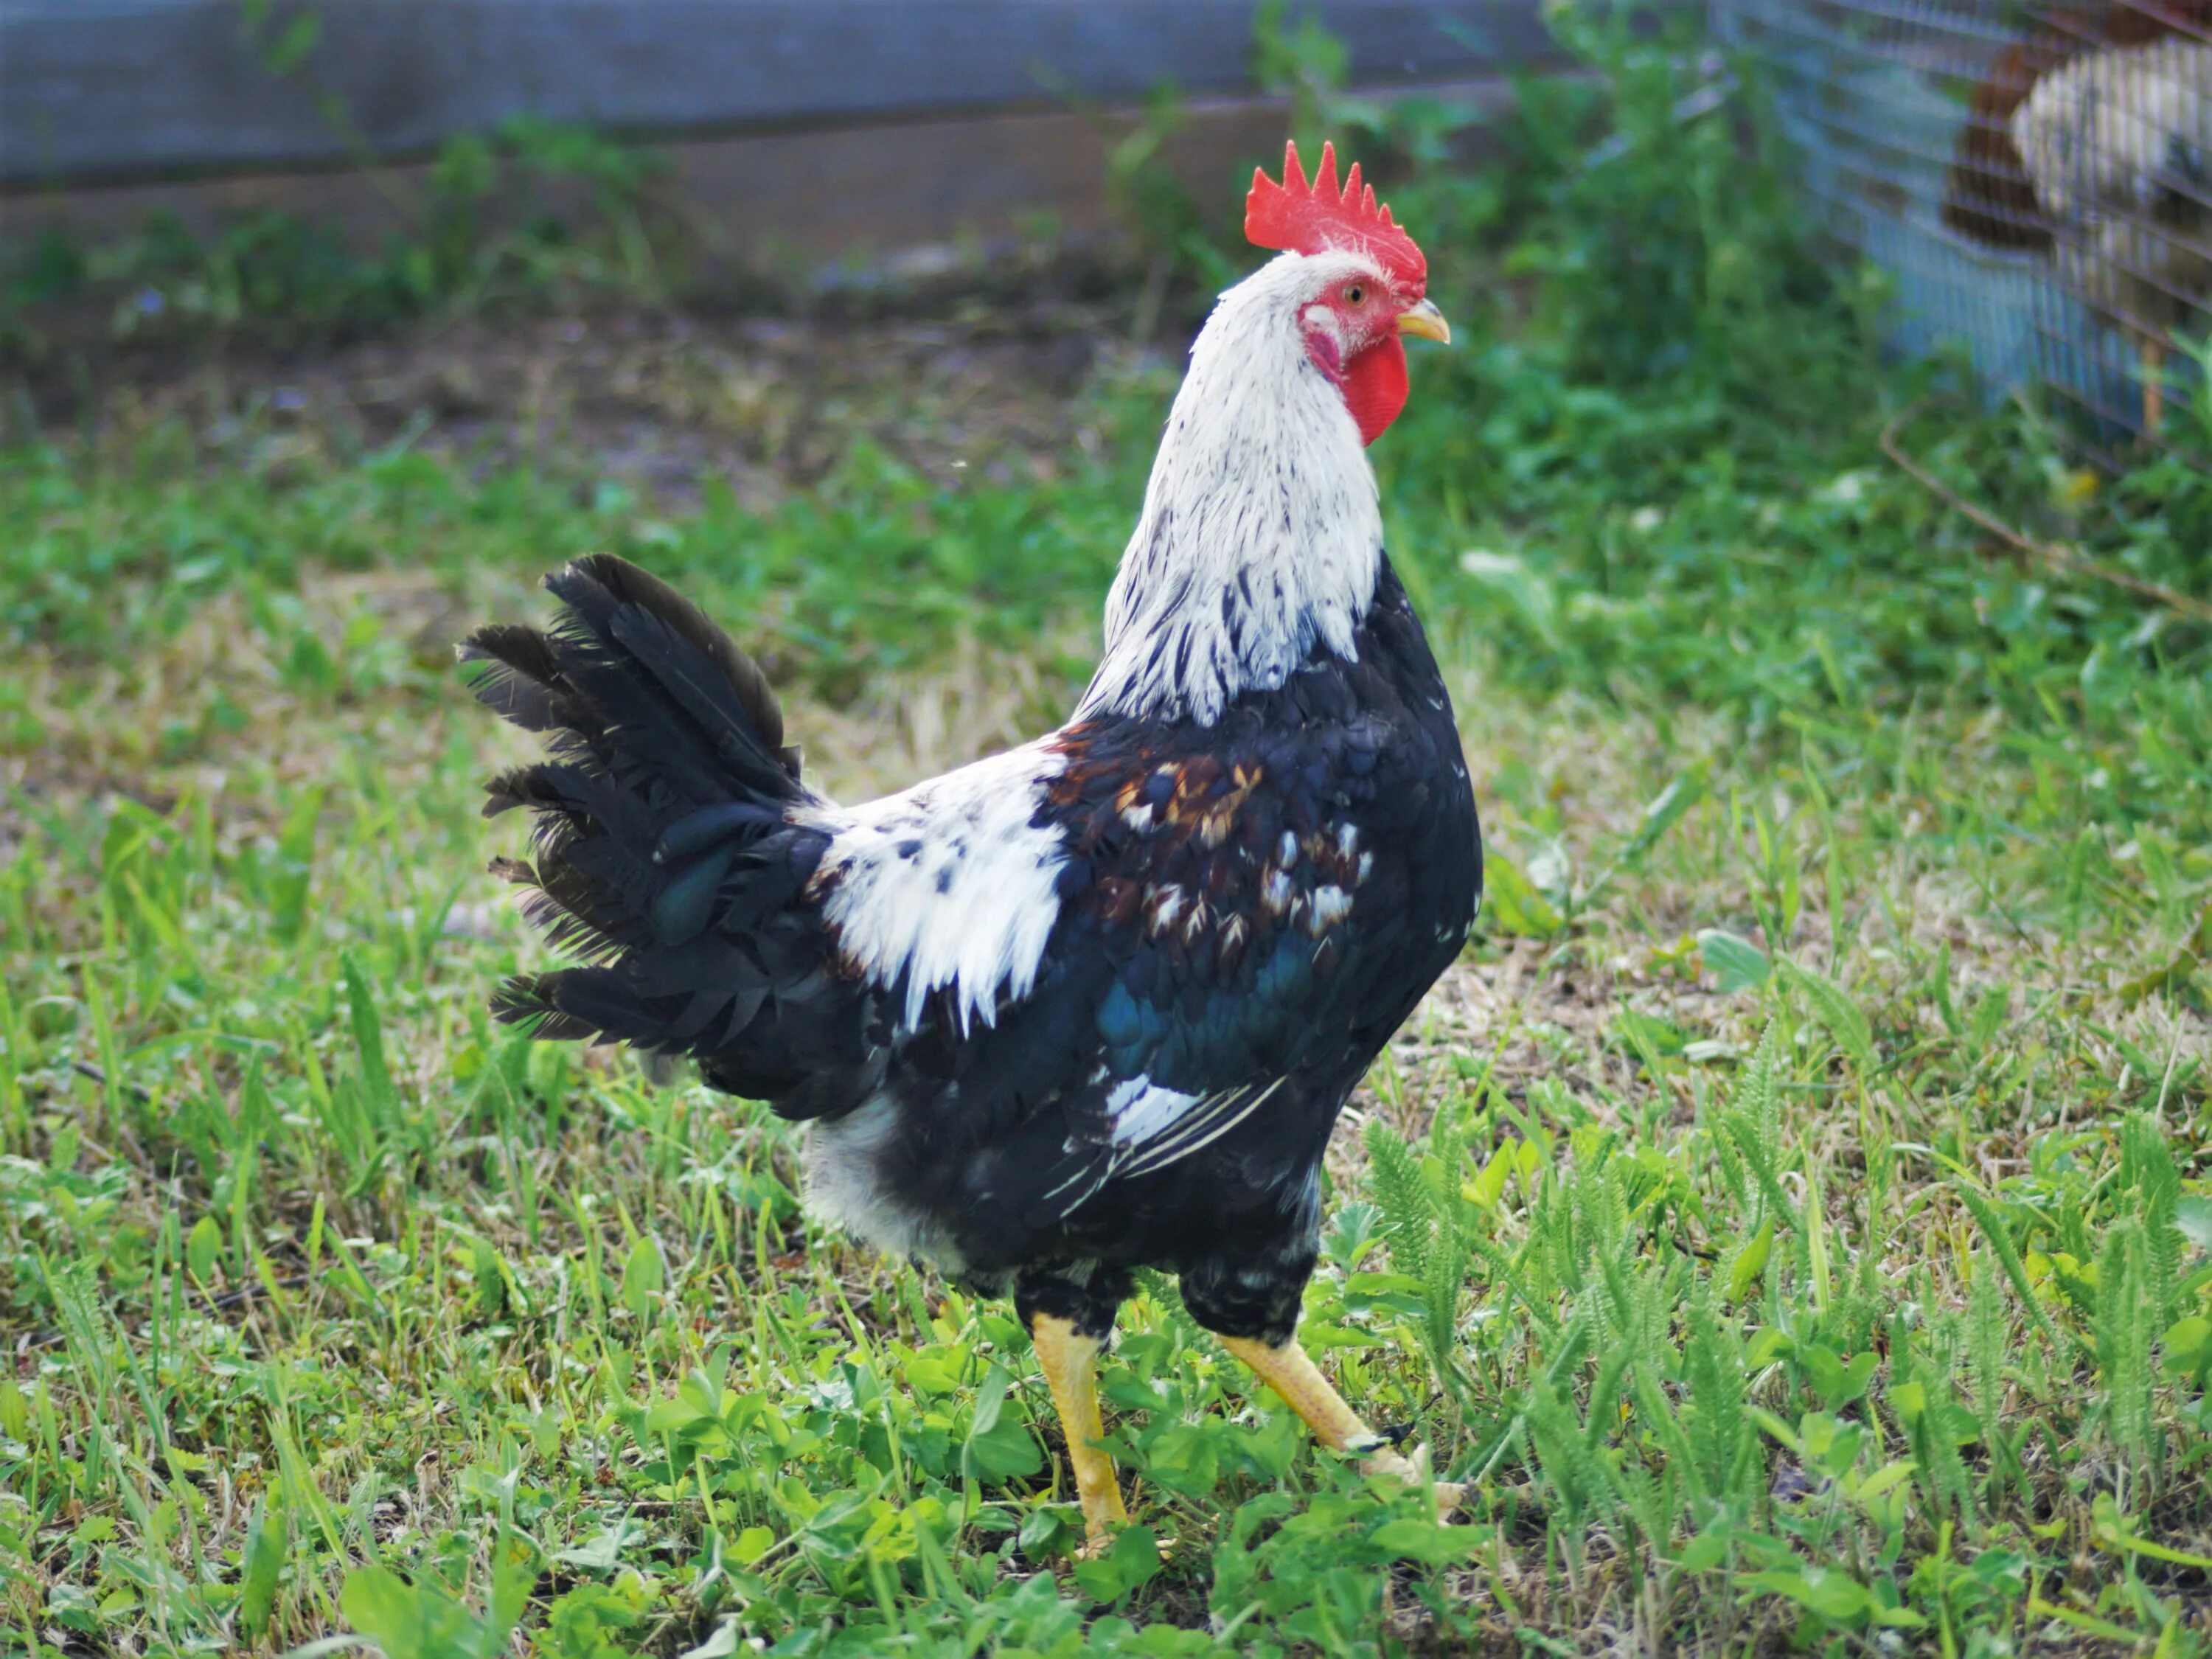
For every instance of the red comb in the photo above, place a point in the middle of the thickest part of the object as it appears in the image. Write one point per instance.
(1315, 218)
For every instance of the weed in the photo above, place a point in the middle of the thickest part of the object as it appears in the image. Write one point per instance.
(1792, 1219)
(534, 211)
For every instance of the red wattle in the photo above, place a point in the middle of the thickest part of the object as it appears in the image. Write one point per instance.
(1373, 384)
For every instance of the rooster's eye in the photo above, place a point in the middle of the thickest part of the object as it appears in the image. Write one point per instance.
(1355, 295)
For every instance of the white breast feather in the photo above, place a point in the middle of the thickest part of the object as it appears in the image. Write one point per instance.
(950, 883)
(851, 1184)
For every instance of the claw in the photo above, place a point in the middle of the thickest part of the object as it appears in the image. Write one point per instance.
(1415, 1471)
(1101, 1542)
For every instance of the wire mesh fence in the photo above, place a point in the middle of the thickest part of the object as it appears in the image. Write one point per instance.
(2036, 179)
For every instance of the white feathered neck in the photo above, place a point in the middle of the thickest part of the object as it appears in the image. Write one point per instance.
(1261, 533)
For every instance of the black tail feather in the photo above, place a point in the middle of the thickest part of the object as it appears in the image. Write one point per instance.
(527, 999)
(625, 584)
(673, 841)
(710, 827)
(524, 683)
(671, 657)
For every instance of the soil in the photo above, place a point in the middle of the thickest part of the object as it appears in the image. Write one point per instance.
(656, 399)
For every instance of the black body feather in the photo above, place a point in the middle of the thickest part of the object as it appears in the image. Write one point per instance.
(1246, 911)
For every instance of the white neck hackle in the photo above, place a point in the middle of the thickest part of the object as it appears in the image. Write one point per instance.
(1261, 533)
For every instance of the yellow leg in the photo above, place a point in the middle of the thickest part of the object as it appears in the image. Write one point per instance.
(1290, 1374)
(2154, 386)
(1070, 1361)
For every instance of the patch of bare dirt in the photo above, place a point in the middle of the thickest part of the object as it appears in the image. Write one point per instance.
(661, 400)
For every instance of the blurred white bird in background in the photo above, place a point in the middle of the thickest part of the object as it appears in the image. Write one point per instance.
(2093, 141)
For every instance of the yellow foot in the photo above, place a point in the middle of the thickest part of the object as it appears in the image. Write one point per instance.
(1290, 1373)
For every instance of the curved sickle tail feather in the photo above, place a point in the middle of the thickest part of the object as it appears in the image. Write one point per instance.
(673, 841)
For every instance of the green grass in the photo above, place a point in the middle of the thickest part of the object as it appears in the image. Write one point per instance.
(1792, 1217)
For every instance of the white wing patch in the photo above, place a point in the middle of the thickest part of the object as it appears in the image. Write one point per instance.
(950, 883)
(1149, 1127)
(1180, 1125)
(1140, 1109)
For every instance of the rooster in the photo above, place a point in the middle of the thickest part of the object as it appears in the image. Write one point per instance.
(2091, 141)
(1093, 1004)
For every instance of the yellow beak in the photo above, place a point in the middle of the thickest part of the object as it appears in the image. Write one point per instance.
(1425, 320)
